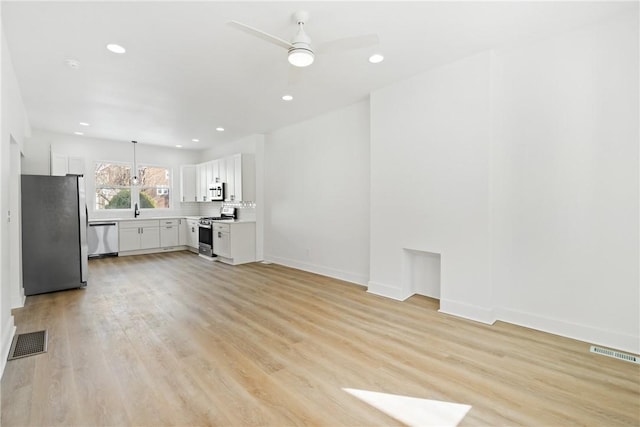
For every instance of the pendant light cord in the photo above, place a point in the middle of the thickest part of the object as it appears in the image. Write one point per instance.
(135, 165)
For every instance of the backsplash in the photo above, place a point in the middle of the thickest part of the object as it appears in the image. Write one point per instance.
(244, 210)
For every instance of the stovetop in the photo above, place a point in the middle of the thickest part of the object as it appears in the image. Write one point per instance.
(209, 219)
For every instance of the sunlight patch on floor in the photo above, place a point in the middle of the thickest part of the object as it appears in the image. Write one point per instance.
(414, 411)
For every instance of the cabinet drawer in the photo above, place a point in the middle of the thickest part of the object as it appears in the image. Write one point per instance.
(139, 223)
(165, 222)
(221, 227)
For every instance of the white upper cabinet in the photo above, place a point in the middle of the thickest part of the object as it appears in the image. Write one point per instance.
(234, 193)
(215, 167)
(202, 186)
(188, 183)
(62, 165)
(238, 172)
(241, 178)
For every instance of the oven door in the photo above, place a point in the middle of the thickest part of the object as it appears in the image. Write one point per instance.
(205, 239)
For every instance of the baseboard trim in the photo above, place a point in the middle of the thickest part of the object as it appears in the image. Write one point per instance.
(7, 338)
(468, 311)
(387, 291)
(153, 251)
(318, 269)
(587, 334)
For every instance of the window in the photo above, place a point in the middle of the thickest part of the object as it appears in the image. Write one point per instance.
(114, 190)
(154, 187)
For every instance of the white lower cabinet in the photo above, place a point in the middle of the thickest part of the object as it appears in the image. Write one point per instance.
(169, 233)
(137, 235)
(235, 243)
(129, 239)
(192, 233)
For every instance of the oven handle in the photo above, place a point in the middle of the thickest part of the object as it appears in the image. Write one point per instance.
(204, 226)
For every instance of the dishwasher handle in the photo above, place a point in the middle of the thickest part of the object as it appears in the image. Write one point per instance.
(102, 224)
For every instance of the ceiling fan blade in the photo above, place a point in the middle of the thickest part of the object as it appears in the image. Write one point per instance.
(260, 34)
(348, 43)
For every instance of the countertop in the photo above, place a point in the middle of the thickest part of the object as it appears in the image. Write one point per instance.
(237, 221)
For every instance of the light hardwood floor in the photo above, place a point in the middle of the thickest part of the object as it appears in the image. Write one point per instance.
(172, 339)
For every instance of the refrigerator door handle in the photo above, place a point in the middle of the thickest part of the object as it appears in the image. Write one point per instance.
(83, 224)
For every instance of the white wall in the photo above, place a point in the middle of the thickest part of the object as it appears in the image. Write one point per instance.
(566, 185)
(245, 145)
(37, 152)
(316, 184)
(520, 168)
(430, 155)
(13, 129)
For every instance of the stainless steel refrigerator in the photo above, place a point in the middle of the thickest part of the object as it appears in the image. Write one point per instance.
(54, 233)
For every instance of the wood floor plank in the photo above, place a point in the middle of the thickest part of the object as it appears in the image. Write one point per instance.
(173, 339)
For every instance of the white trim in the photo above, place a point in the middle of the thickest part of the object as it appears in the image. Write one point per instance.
(468, 311)
(588, 334)
(10, 331)
(154, 251)
(318, 269)
(386, 291)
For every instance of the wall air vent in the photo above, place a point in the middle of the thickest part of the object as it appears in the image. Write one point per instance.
(615, 354)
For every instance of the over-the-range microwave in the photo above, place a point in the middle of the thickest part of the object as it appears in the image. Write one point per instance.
(217, 191)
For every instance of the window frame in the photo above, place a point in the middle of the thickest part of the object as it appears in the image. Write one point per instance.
(139, 187)
(122, 187)
(134, 190)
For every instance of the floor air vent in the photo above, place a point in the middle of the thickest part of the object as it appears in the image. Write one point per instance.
(30, 344)
(615, 354)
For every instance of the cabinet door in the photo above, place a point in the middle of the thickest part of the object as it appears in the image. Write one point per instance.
(169, 236)
(209, 174)
(203, 186)
(230, 166)
(149, 237)
(129, 239)
(237, 174)
(222, 170)
(76, 165)
(222, 243)
(59, 164)
(188, 183)
(193, 234)
(215, 167)
(183, 237)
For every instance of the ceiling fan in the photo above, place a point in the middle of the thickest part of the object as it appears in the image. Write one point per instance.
(300, 52)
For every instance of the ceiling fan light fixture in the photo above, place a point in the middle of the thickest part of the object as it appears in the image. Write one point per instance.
(301, 57)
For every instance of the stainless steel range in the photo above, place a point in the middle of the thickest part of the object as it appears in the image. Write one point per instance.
(205, 230)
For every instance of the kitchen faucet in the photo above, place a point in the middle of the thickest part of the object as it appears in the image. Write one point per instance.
(136, 211)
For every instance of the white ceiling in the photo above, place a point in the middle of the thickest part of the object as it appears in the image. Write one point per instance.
(186, 72)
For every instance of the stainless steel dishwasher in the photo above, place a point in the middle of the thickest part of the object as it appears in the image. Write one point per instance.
(102, 238)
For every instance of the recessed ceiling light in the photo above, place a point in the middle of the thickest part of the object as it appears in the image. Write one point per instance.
(116, 48)
(84, 124)
(219, 129)
(195, 140)
(178, 146)
(79, 133)
(376, 58)
(287, 97)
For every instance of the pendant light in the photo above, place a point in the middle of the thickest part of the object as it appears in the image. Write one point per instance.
(134, 179)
